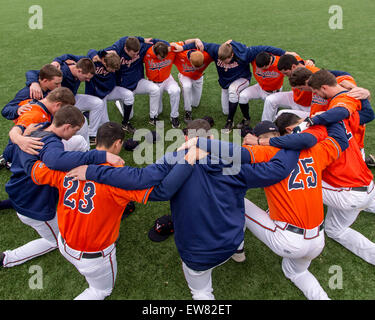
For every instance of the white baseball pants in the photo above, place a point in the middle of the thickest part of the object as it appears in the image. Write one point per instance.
(95, 106)
(191, 90)
(281, 99)
(117, 94)
(253, 92)
(200, 282)
(297, 250)
(76, 143)
(172, 88)
(343, 207)
(48, 231)
(232, 94)
(100, 273)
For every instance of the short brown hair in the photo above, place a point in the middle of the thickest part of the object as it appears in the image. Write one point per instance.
(63, 95)
(198, 128)
(48, 72)
(225, 51)
(286, 62)
(196, 58)
(299, 77)
(112, 60)
(133, 44)
(68, 115)
(161, 49)
(86, 65)
(320, 78)
(108, 133)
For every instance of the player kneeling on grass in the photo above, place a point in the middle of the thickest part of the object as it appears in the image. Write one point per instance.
(294, 233)
(208, 234)
(89, 213)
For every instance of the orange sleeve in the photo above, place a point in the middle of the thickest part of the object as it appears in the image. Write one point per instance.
(122, 197)
(41, 174)
(261, 153)
(326, 152)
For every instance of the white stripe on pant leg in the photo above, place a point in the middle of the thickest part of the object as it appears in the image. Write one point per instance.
(199, 282)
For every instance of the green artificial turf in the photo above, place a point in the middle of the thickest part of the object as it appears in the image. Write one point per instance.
(149, 270)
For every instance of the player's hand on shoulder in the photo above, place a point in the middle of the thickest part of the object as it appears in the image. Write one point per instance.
(36, 91)
(188, 144)
(30, 145)
(148, 40)
(56, 64)
(194, 154)
(175, 47)
(78, 173)
(359, 93)
(114, 160)
(31, 128)
(23, 109)
(250, 140)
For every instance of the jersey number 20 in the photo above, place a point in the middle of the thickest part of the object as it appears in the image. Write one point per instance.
(85, 205)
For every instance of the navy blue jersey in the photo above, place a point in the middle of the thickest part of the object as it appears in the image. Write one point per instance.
(239, 66)
(132, 70)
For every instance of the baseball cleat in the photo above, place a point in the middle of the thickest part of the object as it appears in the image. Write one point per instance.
(2, 256)
(128, 128)
(370, 161)
(239, 256)
(188, 116)
(243, 124)
(92, 141)
(152, 121)
(175, 123)
(228, 127)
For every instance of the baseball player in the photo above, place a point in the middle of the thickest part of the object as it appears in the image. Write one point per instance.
(299, 79)
(296, 100)
(131, 74)
(89, 215)
(36, 205)
(73, 75)
(158, 62)
(232, 61)
(347, 183)
(206, 233)
(49, 78)
(191, 65)
(293, 227)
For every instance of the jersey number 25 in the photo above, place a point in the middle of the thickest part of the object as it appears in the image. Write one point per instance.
(297, 182)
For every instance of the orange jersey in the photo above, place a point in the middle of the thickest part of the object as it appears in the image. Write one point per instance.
(158, 70)
(182, 62)
(349, 170)
(301, 97)
(270, 79)
(38, 114)
(319, 104)
(298, 199)
(88, 213)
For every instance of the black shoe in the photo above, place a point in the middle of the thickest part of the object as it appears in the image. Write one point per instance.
(188, 116)
(370, 161)
(92, 141)
(228, 126)
(153, 121)
(175, 123)
(243, 124)
(2, 256)
(128, 128)
(4, 163)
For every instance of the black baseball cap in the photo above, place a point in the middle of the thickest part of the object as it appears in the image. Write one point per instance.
(162, 229)
(265, 127)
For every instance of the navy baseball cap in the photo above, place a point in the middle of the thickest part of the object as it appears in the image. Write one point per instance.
(162, 229)
(130, 144)
(265, 127)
